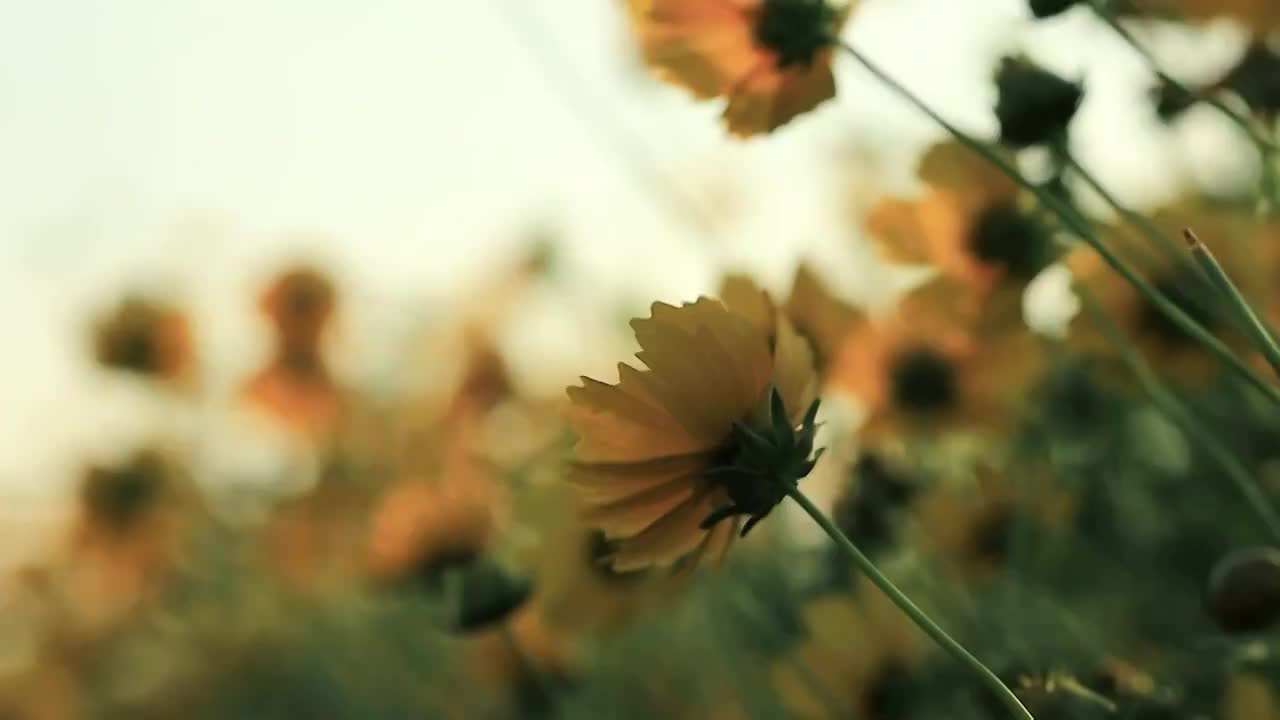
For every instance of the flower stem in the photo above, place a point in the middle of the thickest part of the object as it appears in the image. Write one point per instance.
(1267, 147)
(904, 603)
(1176, 410)
(1256, 327)
(1080, 226)
(1264, 144)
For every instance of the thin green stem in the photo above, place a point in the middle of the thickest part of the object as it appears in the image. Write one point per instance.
(1267, 148)
(1081, 228)
(1264, 144)
(1257, 329)
(1137, 219)
(1175, 410)
(904, 603)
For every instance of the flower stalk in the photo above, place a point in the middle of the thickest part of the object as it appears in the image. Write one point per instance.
(1255, 326)
(912, 611)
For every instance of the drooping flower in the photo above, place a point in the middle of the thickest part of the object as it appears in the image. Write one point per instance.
(970, 223)
(718, 426)
(771, 59)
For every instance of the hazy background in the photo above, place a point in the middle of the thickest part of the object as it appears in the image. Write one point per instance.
(411, 144)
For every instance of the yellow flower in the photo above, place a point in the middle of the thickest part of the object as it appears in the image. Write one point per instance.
(670, 456)
(938, 362)
(817, 314)
(771, 59)
(969, 224)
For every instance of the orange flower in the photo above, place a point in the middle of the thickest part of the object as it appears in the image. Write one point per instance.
(134, 519)
(972, 526)
(850, 672)
(937, 363)
(670, 457)
(969, 224)
(1241, 244)
(770, 58)
(145, 337)
(818, 315)
(296, 386)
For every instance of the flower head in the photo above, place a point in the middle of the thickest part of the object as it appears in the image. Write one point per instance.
(970, 224)
(771, 59)
(1243, 246)
(1035, 106)
(296, 386)
(145, 337)
(719, 425)
(939, 361)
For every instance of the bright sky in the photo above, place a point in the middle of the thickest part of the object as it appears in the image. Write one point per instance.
(410, 142)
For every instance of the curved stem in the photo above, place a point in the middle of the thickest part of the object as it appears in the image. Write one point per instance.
(904, 603)
(1080, 227)
(1265, 145)
(1257, 328)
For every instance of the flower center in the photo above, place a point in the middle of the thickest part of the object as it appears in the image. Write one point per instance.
(1006, 237)
(795, 29)
(122, 495)
(922, 380)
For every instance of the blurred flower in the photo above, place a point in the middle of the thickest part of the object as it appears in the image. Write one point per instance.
(935, 364)
(130, 533)
(1034, 106)
(1256, 78)
(488, 594)
(869, 510)
(296, 387)
(856, 645)
(718, 426)
(770, 58)
(422, 527)
(145, 337)
(1244, 591)
(972, 526)
(1250, 697)
(1241, 244)
(1049, 8)
(818, 315)
(1261, 17)
(969, 224)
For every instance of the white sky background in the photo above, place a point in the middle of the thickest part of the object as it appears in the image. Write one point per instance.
(186, 145)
